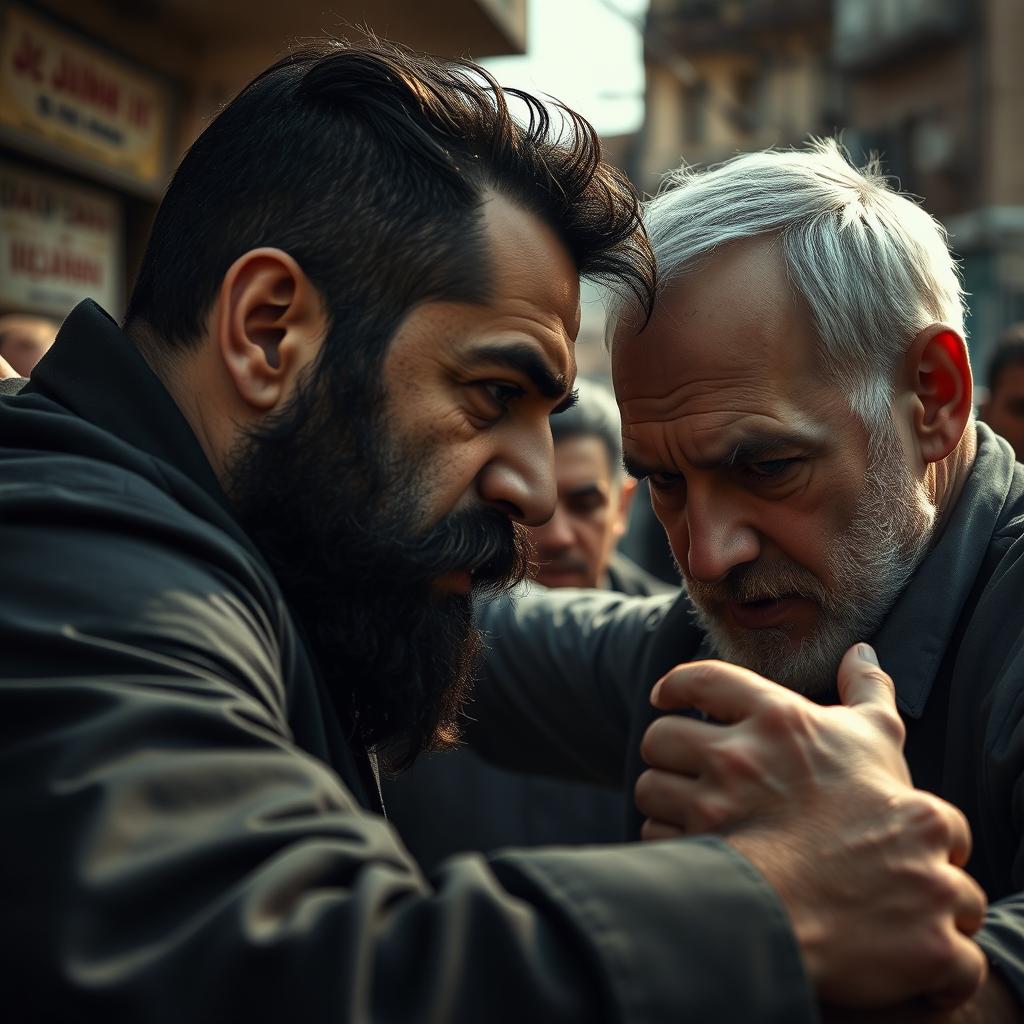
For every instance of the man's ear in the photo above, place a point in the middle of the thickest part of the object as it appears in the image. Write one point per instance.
(627, 489)
(268, 324)
(940, 378)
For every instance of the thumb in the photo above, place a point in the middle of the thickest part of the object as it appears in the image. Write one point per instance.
(862, 681)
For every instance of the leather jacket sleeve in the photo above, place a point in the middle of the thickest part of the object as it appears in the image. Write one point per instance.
(172, 853)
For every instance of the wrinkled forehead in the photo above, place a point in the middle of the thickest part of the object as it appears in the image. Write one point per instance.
(732, 332)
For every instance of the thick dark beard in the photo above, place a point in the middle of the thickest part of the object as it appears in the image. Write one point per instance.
(335, 508)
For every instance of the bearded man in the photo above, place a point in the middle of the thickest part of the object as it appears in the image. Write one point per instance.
(800, 403)
(238, 542)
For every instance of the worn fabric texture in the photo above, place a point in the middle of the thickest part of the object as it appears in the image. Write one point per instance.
(191, 833)
(953, 643)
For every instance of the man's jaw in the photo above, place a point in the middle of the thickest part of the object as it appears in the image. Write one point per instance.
(563, 571)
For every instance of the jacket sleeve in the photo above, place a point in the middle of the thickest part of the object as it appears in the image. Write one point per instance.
(170, 854)
(560, 680)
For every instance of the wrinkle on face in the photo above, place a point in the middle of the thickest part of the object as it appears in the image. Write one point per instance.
(433, 382)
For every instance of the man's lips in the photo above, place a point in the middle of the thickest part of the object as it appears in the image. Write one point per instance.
(765, 614)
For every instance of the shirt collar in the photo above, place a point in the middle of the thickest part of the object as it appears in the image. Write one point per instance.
(913, 639)
(96, 372)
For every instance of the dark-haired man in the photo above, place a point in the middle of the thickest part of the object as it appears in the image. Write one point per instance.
(1003, 408)
(576, 547)
(238, 540)
(452, 801)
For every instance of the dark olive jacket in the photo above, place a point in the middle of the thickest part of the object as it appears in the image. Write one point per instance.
(190, 833)
(953, 643)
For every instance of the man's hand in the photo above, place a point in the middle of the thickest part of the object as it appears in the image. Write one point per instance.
(819, 799)
(993, 1003)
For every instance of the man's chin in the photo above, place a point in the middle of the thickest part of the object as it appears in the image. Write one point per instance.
(556, 579)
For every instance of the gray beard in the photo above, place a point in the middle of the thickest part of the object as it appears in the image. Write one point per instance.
(870, 564)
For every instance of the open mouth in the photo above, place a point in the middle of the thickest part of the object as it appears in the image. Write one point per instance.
(766, 612)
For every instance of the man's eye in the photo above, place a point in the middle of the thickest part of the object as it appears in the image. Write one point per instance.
(664, 482)
(585, 504)
(772, 469)
(502, 395)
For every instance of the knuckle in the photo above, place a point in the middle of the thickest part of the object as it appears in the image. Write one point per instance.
(888, 723)
(735, 762)
(655, 738)
(642, 790)
(709, 815)
(785, 715)
(876, 674)
(940, 952)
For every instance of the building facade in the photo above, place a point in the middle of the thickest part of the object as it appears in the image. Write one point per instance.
(930, 86)
(100, 98)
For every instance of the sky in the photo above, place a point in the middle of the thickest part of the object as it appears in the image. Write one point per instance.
(587, 53)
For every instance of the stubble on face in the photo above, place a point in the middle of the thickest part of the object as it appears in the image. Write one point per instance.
(869, 565)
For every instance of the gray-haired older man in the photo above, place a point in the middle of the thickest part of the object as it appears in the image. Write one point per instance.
(800, 403)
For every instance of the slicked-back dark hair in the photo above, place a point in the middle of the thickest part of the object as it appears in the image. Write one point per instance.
(367, 163)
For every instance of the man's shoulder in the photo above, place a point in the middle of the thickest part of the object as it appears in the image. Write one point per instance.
(70, 511)
(626, 577)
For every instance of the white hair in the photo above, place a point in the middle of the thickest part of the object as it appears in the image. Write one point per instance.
(873, 267)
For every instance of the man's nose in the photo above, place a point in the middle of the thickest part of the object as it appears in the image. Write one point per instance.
(521, 483)
(719, 538)
(555, 535)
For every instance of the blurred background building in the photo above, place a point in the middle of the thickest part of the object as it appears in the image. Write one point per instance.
(932, 87)
(99, 99)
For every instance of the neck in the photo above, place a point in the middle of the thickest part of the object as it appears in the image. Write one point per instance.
(945, 480)
(187, 381)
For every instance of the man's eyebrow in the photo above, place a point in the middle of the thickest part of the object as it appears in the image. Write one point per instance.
(585, 489)
(637, 469)
(528, 361)
(760, 447)
(749, 449)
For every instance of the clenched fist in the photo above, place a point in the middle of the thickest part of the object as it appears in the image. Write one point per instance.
(820, 800)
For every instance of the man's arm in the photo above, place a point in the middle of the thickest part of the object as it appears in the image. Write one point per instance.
(171, 854)
(565, 663)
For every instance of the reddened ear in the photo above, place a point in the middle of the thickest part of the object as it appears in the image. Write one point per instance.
(940, 377)
(268, 322)
(627, 490)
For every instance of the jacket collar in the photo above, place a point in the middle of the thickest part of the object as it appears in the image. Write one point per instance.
(913, 639)
(93, 370)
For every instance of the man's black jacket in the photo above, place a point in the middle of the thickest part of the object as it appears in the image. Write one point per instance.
(190, 835)
(953, 644)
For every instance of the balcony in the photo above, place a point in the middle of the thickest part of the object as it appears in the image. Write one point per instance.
(693, 26)
(868, 34)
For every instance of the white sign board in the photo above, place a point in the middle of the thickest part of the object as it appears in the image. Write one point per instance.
(59, 243)
(57, 87)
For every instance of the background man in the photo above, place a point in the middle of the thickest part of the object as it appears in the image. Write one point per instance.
(453, 801)
(239, 540)
(1003, 408)
(800, 403)
(24, 340)
(576, 547)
